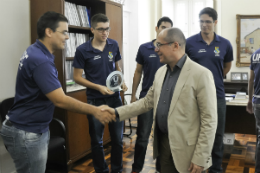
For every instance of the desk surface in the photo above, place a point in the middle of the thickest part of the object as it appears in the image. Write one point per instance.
(236, 104)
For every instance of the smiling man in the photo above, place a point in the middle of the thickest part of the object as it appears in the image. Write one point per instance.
(147, 64)
(183, 135)
(215, 53)
(99, 57)
(25, 131)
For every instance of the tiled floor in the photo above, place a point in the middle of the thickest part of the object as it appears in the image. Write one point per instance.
(238, 158)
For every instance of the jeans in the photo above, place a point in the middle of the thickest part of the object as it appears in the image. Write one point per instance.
(96, 131)
(145, 122)
(218, 146)
(28, 150)
(257, 151)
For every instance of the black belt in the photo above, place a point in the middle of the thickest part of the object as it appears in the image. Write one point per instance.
(8, 123)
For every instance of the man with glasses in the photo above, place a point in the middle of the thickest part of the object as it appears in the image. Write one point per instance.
(215, 53)
(183, 96)
(99, 57)
(148, 63)
(25, 131)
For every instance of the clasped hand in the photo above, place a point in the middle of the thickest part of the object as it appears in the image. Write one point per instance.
(105, 114)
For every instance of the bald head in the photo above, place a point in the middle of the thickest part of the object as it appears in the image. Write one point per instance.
(174, 35)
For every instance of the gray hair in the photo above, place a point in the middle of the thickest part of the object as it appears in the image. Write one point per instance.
(175, 35)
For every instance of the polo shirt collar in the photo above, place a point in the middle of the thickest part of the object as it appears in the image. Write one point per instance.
(216, 37)
(44, 49)
(151, 45)
(91, 48)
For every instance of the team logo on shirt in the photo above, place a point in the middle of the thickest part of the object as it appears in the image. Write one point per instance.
(25, 56)
(255, 58)
(110, 56)
(217, 51)
(152, 56)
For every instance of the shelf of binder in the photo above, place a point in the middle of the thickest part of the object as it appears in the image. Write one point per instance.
(78, 15)
(75, 40)
(78, 27)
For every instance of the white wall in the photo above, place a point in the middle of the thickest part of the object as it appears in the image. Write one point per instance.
(15, 38)
(229, 10)
(140, 18)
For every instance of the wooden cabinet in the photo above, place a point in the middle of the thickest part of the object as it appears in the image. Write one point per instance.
(78, 138)
(235, 86)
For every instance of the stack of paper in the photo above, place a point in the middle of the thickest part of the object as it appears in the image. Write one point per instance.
(240, 97)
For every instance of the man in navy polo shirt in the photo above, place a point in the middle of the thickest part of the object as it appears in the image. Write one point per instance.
(99, 57)
(253, 105)
(215, 53)
(26, 129)
(148, 63)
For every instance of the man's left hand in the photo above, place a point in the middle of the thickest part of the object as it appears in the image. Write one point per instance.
(124, 87)
(195, 168)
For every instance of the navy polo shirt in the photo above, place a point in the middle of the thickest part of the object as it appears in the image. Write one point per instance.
(37, 76)
(211, 56)
(150, 62)
(255, 66)
(97, 64)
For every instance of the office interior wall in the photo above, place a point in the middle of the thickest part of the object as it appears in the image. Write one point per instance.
(15, 38)
(229, 10)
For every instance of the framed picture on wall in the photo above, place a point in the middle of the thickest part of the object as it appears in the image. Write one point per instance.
(248, 31)
(236, 76)
(244, 76)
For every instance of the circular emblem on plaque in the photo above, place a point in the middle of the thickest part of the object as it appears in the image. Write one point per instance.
(114, 81)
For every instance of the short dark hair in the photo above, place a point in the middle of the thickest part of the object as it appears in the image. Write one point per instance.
(50, 20)
(98, 18)
(175, 35)
(209, 11)
(164, 19)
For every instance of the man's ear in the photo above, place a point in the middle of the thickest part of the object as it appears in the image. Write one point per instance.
(156, 29)
(48, 32)
(92, 30)
(215, 22)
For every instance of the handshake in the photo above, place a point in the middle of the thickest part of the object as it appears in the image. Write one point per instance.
(105, 114)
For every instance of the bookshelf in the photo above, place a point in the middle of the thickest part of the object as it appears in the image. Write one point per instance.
(78, 140)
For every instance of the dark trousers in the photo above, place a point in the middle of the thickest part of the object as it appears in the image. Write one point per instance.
(166, 159)
(144, 126)
(257, 151)
(96, 131)
(218, 146)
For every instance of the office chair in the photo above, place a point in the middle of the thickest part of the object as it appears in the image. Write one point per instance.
(5, 105)
(57, 156)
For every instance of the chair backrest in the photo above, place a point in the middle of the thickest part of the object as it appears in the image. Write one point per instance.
(5, 105)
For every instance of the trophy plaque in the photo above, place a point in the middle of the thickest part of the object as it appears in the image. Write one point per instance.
(114, 81)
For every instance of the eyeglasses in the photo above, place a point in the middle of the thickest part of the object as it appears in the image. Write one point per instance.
(208, 22)
(101, 30)
(158, 45)
(65, 33)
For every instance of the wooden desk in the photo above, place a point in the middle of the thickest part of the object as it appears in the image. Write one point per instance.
(238, 120)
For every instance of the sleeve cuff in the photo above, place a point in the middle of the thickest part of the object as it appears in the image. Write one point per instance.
(117, 115)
